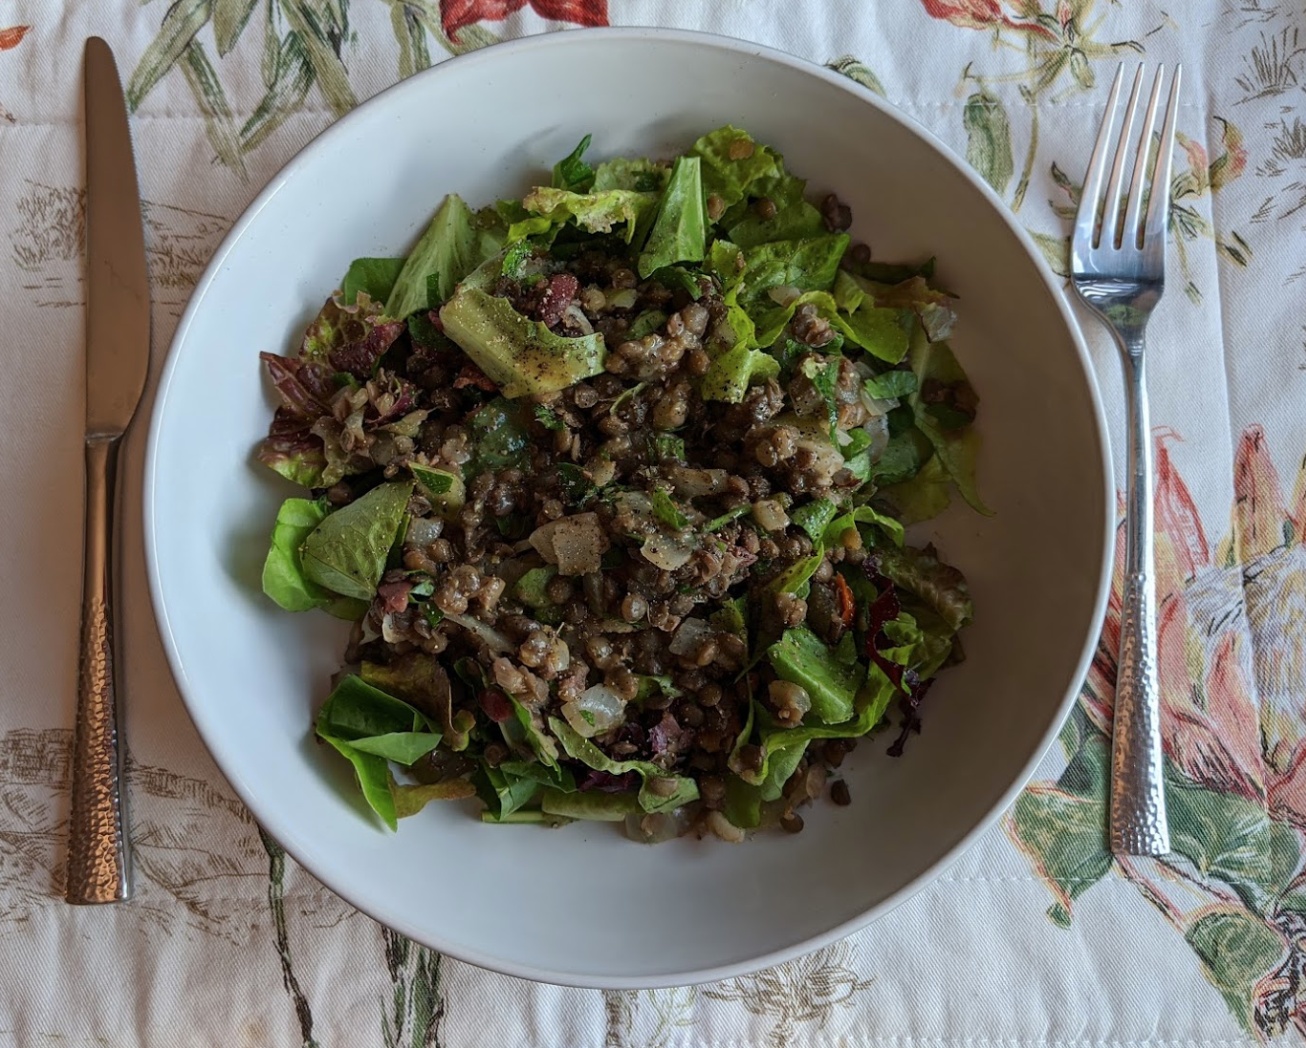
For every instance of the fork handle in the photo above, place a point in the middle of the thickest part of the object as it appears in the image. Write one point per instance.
(1138, 817)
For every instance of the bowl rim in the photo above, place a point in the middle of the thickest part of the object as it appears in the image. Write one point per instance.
(279, 827)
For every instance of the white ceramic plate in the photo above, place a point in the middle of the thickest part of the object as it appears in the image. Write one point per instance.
(582, 905)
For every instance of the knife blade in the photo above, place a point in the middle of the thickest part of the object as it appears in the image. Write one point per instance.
(117, 362)
(118, 286)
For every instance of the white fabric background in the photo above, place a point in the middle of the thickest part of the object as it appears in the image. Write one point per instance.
(193, 959)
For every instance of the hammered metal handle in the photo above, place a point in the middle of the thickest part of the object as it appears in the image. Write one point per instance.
(97, 846)
(1138, 817)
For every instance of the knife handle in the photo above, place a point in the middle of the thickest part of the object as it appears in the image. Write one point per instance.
(97, 847)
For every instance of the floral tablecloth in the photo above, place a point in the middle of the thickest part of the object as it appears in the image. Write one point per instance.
(1037, 935)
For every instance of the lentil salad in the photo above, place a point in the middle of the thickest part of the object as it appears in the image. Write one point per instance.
(612, 482)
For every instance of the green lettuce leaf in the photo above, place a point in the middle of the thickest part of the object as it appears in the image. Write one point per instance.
(891, 385)
(367, 726)
(373, 778)
(733, 163)
(593, 807)
(890, 272)
(525, 734)
(666, 511)
(864, 515)
(375, 277)
(283, 573)
(679, 231)
(802, 657)
(455, 243)
(347, 552)
(923, 495)
(677, 278)
(814, 516)
(504, 792)
(572, 173)
(581, 749)
(921, 650)
(809, 264)
(726, 261)
(520, 355)
(902, 457)
(956, 447)
(871, 702)
(884, 333)
(736, 360)
(931, 306)
(798, 221)
(731, 373)
(641, 176)
(649, 321)
(419, 680)
(744, 800)
(592, 212)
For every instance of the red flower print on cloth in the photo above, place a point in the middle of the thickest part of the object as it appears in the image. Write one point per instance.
(983, 14)
(1230, 650)
(12, 36)
(459, 14)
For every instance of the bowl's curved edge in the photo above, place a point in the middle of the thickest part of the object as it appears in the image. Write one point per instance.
(285, 834)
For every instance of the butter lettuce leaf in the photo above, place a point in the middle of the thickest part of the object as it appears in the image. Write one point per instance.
(369, 727)
(347, 552)
(283, 572)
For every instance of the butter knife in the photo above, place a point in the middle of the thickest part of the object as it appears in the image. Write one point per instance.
(117, 361)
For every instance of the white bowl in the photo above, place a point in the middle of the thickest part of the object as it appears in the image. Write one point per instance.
(582, 905)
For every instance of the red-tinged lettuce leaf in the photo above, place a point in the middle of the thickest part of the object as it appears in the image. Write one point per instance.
(939, 585)
(298, 456)
(420, 680)
(350, 338)
(305, 386)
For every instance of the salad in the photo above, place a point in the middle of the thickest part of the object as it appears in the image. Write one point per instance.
(612, 481)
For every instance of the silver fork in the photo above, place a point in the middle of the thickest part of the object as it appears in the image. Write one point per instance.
(1117, 265)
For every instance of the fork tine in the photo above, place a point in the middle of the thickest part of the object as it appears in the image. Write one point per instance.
(1132, 235)
(1111, 197)
(1090, 195)
(1158, 209)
